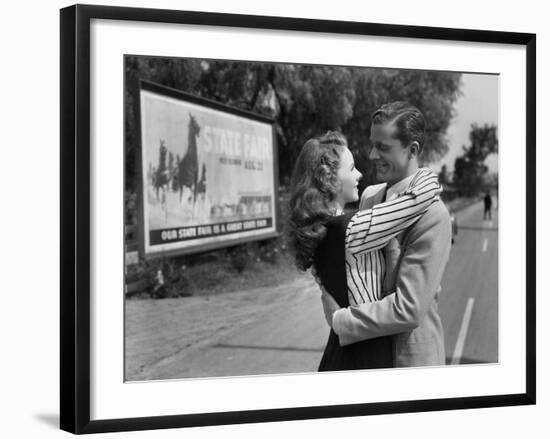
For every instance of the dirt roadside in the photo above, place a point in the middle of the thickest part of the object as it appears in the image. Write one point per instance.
(158, 329)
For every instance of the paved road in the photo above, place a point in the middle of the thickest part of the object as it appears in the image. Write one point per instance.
(470, 290)
(291, 339)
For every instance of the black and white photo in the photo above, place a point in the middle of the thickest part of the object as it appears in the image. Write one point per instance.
(271, 210)
(416, 287)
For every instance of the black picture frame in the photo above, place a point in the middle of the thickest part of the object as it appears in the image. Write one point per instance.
(75, 217)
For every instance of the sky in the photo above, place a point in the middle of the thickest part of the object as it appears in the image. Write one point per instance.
(479, 104)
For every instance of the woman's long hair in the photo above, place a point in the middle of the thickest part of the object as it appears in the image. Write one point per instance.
(313, 190)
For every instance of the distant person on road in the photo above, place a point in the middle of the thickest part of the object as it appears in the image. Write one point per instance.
(338, 245)
(488, 202)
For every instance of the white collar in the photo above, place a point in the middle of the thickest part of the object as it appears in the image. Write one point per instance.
(399, 187)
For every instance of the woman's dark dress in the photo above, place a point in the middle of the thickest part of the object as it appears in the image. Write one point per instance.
(330, 263)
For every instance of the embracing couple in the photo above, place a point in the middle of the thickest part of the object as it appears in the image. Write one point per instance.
(379, 268)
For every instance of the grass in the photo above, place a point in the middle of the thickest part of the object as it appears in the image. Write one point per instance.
(221, 277)
(219, 272)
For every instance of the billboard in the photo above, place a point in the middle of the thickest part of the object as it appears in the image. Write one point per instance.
(208, 174)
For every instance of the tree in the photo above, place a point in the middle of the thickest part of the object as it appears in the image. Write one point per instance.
(311, 100)
(434, 93)
(304, 100)
(171, 72)
(470, 168)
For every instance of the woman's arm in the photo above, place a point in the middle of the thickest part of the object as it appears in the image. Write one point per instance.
(372, 229)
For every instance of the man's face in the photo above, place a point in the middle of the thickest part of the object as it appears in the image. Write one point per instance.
(391, 158)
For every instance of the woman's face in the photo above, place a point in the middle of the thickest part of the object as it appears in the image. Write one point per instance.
(349, 178)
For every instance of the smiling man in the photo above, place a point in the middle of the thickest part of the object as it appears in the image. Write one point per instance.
(415, 260)
(397, 134)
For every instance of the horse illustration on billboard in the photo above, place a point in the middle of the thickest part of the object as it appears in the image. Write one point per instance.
(188, 167)
(161, 175)
(174, 174)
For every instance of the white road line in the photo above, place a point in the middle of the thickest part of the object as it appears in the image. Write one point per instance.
(484, 249)
(459, 347)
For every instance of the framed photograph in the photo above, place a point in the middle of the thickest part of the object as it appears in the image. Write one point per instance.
(223, 256)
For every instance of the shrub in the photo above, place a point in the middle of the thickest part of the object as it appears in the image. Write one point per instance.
(162, 278)
(239, 256)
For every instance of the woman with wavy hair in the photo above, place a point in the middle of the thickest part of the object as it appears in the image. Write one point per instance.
(328, 240)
